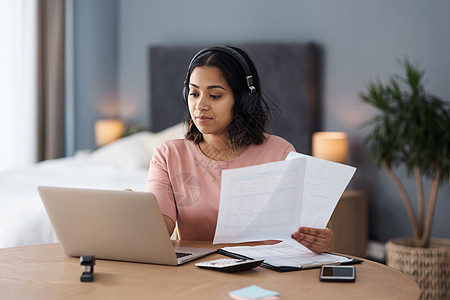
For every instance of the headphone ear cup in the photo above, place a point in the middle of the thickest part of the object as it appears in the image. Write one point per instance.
(185, 95)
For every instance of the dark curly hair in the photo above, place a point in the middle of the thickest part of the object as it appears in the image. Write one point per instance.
(250, 113)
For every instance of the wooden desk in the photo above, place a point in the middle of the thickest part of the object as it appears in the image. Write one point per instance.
(43, 272)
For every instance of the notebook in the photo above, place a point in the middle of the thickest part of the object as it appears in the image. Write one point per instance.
(114, 225)
(284, 257)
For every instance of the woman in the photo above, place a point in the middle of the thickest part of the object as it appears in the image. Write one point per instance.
(226, 129)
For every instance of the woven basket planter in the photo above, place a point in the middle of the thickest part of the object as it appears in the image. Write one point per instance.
(430, 267)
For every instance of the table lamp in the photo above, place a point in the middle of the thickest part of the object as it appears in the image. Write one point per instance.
(331, 146)
(108, 130)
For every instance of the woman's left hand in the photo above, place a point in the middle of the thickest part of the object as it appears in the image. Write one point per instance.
(315, 239)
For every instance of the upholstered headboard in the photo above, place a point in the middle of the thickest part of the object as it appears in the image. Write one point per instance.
(290, 79)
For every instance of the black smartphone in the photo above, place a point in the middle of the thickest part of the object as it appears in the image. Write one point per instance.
(338, 273)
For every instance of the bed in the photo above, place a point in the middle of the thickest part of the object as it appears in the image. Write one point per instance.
(290, 76)
(120, 165)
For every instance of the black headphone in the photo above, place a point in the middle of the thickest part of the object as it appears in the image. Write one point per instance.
(238, 57)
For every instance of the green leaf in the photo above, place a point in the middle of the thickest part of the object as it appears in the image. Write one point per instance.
(412, 127)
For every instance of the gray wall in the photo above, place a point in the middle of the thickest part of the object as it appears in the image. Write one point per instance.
(92, 90)
(361, 40)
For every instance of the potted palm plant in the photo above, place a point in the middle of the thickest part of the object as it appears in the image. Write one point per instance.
(412, 130)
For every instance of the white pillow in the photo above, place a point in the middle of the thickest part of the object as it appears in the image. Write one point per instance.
(127, 152)
(135, 151)
(174, 132)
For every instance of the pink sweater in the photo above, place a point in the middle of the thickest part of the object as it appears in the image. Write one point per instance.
(187, 183)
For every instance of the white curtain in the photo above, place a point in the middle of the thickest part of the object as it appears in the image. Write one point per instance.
(18, 83)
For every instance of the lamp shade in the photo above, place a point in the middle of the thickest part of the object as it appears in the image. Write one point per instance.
(331, 146)
(108, 130)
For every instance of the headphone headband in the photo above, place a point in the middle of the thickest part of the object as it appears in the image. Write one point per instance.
(237, 56)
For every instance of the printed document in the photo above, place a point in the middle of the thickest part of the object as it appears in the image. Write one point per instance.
(325, 181)
(287, 255)
(271, 201)
(260, 202)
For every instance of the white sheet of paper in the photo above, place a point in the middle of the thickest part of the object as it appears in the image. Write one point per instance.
(271, 201)
(260, 202)
(286, 255)
(325, 181)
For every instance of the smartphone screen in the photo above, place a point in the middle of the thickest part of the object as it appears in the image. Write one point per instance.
(337, 273)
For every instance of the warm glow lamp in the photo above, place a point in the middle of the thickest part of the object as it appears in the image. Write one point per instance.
(108, 130)
(331, 146)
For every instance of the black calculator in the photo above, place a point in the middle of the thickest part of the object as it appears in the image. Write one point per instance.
(230, 264)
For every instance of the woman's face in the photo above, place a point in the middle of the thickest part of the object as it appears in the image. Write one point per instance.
(210, 101)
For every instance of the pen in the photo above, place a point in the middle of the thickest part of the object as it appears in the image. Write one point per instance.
(318, 264)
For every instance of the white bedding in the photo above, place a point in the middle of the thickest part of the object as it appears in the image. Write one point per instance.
(120, 165)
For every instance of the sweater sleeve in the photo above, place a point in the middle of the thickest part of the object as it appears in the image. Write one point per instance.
(158, 182)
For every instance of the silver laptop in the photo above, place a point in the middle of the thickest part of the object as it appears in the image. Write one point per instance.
(115, 225)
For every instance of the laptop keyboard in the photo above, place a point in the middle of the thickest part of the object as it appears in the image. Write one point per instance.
(182, 254)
